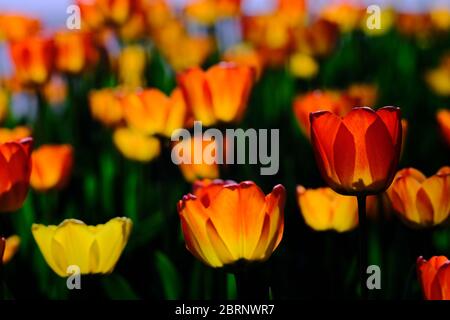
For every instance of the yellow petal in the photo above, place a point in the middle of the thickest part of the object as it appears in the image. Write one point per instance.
(44, 237)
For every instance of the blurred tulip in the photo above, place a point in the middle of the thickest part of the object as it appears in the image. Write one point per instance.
(324, 209)
(106, 106)
(413, 24)
(152, 112)
(333, 101)
(243, 54)
(15, 134)
(91, 15)
(440, 18)
(4, 103)
(94, 249)
(419, 200)
(434, 277)
(218, 94)
(14, 27)
(135, 145)
(201, 11)
(317, 39)
(12, 244)
(443, 119)
(15, 164)
(193, 171)
(363, 95)
(51, 167)
(132, 61)
(226, 222)
(359, 153)
(158, 13)
(33, 59)
(116, 11)
(439, 80)
(344, 14)
(303, 66)
(134, 28)
(55, 91)
(75, 51)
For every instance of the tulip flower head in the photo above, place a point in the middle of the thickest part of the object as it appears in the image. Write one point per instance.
(419, 200)
(51, 167)
(94, 249)
(15, 168)
(225, 222)
(443, 119)
(358, 153)
(12, 244)
(434, 277)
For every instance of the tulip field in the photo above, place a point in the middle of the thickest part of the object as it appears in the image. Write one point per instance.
(225, 150)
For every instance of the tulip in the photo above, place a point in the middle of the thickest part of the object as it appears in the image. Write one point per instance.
(135, 145)
(218, 94)
(32, 58)
(419, 200)
(51, 167)
(132, 62)
(303, 66)
(55, 91)
(4, 102)
(357, 154)
(439, 80)
(17, 27)
(440, 18)
(318, 39)
(333, 101)
(106, 107)
(243, 54)
(344, 14)
(117, 11)
(94, 249)
(75, 51)
(434, 277)
(12, 244)
(225, 222)
(363, 94)
(15, 164)
(91, 15)
(15, 134)
(193, 171)
(152, 112)
(443, 119)
(324, 209)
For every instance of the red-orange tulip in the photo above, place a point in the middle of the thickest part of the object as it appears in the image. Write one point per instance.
(434, 276)
(51, 166)
(15, 170)
(225, 222)
(32, 59)
(359, 153)
(443, 119)
(218, 94)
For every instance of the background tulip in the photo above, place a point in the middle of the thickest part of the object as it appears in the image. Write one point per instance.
(419, 200)
(51, 166)
(434, 276)
(15, 168)
(12, 244)
(94, 249)
(443, 119)
(226, 222)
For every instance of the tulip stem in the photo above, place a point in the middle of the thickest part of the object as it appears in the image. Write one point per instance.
(363, 258)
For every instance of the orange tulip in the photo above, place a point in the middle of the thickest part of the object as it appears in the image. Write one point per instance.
(12, 244)
(245, 55)
(317, 100)
(15, 134)
(131, 66)
(15, 27)
(193, 171)
(443, 119)
(344, 14)
(4, 103)
(106, 107)
(318, 39)
(75, 51)
(32, 58)
(15, 169)
(51, 167)
(218, 94)
(324, 209)
(55, 91)
(152, 112)
(225, 222)
(434, 277)
(359, 153)
(419, 200)
(117, 11)
(91, 15)
(363, 95)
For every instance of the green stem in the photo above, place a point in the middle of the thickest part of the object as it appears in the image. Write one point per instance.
(363, 259)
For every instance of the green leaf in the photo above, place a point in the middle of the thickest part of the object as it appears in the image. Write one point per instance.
(117, 288)
(170, 278)
(146, 230)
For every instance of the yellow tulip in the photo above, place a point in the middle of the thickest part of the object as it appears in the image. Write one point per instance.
(303, 66)
(132, 61)
(94, 249)
(135, 145)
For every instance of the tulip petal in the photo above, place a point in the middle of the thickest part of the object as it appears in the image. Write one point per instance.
(427, 273)
(44, 237)
(315, 208)
(443, 281)
(391, 117)
(344, 156)
(275, 202)
(434, 198)
(406, 189)
(220, 247)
